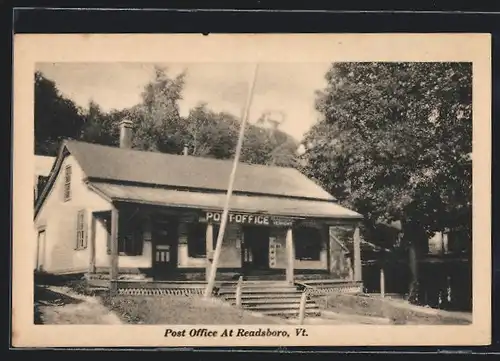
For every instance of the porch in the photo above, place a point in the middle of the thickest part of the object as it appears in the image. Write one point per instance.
(144, 246)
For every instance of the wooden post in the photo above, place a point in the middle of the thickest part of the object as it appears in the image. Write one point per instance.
(350, 270)
(357, 255)
(114, 251)
(302, 307)
(92, 243)
(238, 291)
(382, 282)
(290, 255)
(326, 239)
(239, 144)
(209, 240)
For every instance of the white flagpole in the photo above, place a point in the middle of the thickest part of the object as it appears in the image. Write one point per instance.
(220, 237)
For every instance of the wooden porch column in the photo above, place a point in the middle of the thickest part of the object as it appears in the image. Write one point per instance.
(357, 254)
(325, 234)
(209, 249)
(114, 251)
(92, 243)
(290, 252)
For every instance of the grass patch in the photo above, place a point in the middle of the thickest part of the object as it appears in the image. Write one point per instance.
(82, 287)
(373, 307)
(179, 310)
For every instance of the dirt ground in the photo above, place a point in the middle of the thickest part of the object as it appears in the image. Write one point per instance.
(60, 305)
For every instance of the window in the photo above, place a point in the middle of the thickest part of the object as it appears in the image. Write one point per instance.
(81, 234)
(67, 183)
(130, 239)
(307, 243)
(132, 242)
(197, 239)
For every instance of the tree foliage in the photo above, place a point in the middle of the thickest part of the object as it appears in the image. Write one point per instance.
(101, 127)
(265, 144)
(210, 134)
(158, 125)
(57, 117)
(395, 143)
(157, 119)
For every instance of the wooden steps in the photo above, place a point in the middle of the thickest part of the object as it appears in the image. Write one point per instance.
(276, 298)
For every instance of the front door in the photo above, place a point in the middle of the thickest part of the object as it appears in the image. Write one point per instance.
(256, 248)
(165, 238)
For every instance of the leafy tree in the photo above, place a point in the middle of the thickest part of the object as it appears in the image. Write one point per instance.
(265, 144)
(394, 143)
(210, 134)
(101, 127)
(56, 117)
(158, 125)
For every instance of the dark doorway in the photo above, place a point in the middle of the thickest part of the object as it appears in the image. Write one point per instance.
(256, 248)
(165, 239)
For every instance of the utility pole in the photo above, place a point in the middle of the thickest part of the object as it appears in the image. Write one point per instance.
(220, 236)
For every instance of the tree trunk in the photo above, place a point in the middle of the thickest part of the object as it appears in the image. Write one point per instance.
(413, 234)
(413, 287)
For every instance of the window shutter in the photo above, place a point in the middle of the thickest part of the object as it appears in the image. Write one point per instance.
(85, 229)
(76, 228)
(81, 230)
(67, 183)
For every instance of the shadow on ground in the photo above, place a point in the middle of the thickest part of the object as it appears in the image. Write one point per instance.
(45, 297)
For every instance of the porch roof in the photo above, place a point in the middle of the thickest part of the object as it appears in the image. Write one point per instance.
(215, 201)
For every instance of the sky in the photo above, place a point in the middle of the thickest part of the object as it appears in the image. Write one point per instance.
(285, 89)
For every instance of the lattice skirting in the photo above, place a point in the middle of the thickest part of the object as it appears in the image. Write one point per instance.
(160, 291)
(317, 291)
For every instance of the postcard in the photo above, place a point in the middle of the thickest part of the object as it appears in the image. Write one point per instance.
(251, 190)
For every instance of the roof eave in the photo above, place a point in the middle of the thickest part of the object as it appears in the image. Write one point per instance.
(97, 191)
(161, 204)
(63, 151)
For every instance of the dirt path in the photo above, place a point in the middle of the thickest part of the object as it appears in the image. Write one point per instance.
(60, 305)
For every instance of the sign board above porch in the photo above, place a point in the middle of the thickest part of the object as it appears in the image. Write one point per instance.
(250, 219)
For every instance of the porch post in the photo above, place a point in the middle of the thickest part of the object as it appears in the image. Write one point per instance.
(325, 233)
(357, 254)
(209, 248)
(114, 251)
(92, 243)
(290, 255)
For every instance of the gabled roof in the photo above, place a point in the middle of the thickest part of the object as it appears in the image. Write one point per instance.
(132, 175)
(128, 165)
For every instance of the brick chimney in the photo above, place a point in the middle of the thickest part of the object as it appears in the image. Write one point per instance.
(126, 130)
